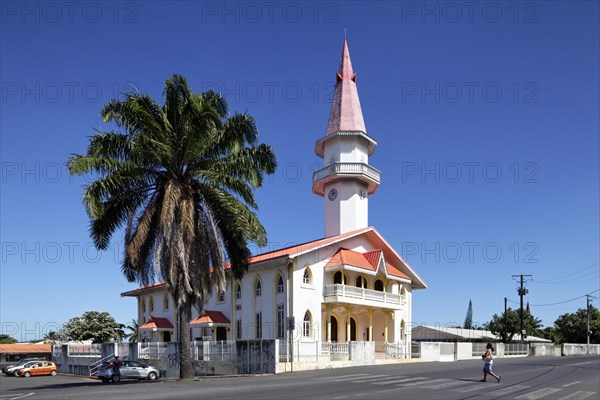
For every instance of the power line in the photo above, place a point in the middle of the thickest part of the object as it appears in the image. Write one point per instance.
(559, 278)
(581, 280)
(562, 302)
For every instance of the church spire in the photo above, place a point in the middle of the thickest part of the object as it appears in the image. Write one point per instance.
(346, 179)
(346, 114)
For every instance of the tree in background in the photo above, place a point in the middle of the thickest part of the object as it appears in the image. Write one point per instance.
(99, 327)
(6, 339)
(497, 326)
(51, 337)
(134, 329)
(469, 318)
(180, 179)
(571, 327)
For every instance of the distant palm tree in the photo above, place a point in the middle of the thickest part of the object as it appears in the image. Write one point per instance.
(132, 336)
(181, 181)
(51, 337)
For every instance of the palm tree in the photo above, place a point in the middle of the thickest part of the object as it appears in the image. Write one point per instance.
(180, 180)
(133, 328)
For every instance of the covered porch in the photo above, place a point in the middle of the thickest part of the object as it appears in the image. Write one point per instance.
(350, 322)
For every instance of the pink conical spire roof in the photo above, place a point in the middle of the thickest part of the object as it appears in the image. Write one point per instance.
(346, 114)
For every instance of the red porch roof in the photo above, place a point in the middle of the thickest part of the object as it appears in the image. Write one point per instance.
(211, 318)
(157, 323)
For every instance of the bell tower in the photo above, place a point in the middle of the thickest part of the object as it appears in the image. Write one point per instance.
(346, 179)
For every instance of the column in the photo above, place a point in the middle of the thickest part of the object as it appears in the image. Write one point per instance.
(328, 313)
(370, 325)
(385, 327)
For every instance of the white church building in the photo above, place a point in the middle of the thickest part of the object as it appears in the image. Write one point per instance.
(350, 285)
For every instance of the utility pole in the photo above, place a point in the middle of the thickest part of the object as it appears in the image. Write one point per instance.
(522, 292)
(587, 322)
(505, 321)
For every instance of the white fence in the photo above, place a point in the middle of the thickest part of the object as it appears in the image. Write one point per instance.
(571, 349)
(214, 351)
(84, 349)
(152, 350)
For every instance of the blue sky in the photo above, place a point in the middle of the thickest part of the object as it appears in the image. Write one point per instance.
(485, 113)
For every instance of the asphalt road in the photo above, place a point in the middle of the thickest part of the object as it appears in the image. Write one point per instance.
(550, 378)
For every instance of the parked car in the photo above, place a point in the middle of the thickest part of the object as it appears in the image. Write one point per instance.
(19, 364)
(14, 371)
(130, 369)
(39, 368)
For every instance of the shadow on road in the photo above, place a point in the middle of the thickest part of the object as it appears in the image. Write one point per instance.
(81, 384)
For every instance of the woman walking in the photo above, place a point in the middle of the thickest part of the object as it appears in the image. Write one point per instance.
(488, 362)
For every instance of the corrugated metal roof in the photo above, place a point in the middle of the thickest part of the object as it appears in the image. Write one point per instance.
(25, 348)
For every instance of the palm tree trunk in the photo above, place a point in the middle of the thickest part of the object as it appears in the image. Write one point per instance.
(185, 315)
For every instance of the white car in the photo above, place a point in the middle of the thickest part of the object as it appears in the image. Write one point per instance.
(130, 369)
(14, 371)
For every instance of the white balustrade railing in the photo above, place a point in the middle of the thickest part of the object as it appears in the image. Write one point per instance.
(352, 292)
(350, 168)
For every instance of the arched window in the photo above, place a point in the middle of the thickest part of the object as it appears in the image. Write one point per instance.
(238, 292)
(379, 285)
(361, 282)
(143, 301)
(306, 324)
(280, 284)
(306, 277)
(339, 278)
(258, 288)
(151, 304)
(165, 302)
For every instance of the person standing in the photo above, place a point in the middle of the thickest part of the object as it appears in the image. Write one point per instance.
(488, 362)
(116, 367)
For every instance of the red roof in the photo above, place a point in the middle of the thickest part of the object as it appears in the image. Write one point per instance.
(157, 323)
(370, 257)
(210, 317)
(373, 257)
(350, 257)
(396, 272)
(134, 292)
(368, 261)
(346, 114)
(291, 251)
(25, 348)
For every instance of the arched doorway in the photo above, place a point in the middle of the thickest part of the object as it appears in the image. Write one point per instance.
(334, 329)
(352, 329)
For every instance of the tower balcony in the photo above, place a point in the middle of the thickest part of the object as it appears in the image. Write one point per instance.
(346, 170)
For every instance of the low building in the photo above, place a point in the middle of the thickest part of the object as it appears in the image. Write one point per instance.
(12, 353)
(443, 334)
